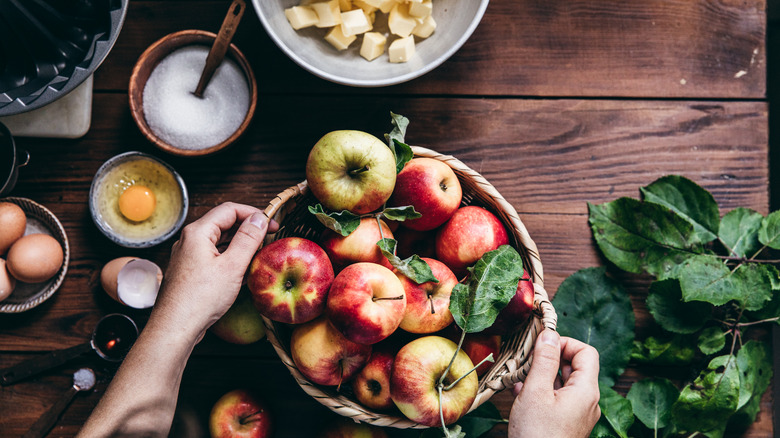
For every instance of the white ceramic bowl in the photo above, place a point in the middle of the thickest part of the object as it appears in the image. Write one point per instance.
(456, 21)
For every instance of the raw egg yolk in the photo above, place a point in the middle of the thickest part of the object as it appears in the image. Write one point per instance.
(137, 203)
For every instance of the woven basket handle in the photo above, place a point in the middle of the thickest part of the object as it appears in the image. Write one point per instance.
(280, 199)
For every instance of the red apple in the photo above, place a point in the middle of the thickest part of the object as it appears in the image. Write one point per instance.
(324, 355)
(366, 302)
(478, 346)
(351, 170)
(240, 413)
(428, 304)
(347, 428)
(467, 236)
(417, 368)
(432, 188)
(411, 242)
(517, 311)
(289, 280)
(372, 384)
(359, 246)
(242, 324)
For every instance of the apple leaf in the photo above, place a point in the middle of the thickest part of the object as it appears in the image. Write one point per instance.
(769, 234)
(343, 223)
(688, 200)
(395, 140)
(602, 429)
(401, 214)
(739, 231)
(706, 278)
(616, 409)
(664, 301)
(652, 400)
(675, 350)
(642, 237)
(597, 310)
(414, 268)
(754, 362)
(492, 282)
(711, 340)
(481, 420)
(706, 404)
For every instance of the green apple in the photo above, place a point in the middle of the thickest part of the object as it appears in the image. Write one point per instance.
(242, 323)
(351, 170)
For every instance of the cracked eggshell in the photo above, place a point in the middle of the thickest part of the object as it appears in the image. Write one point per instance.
(132, 281)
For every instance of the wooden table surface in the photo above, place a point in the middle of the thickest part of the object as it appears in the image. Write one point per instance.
(556, 102)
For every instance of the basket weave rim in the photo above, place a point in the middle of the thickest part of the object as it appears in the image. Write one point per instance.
(515, 359)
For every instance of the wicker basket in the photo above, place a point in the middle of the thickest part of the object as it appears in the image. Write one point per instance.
(289, 208)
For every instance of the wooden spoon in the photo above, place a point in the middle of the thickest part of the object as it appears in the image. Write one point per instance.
(221, 43)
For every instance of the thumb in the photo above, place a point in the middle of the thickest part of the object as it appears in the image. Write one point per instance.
(546, 361)
(247, 239)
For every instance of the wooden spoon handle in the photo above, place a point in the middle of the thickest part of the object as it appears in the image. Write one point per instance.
(218, 50)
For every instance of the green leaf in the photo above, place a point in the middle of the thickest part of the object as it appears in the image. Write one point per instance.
(491, 284)
(739, 231)
(705, 278)
(675, 350)
(769, 234)
(616, 409)
(595, 309)
(603, 429)
(395, 140)
(712, 340)
(689, 200)
(401, 214)
(642, 237)
(651, 400)
(754, 362)
(343, 223)
(770, 309)
(481, 420)
(707, 403)
(414, 268)
(665, 303)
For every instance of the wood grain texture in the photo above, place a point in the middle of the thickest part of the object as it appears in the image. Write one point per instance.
(614, 48)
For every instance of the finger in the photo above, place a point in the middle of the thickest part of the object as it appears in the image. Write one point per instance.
(565, 371)
(517, 388)
(546, 360)
(558, 384)
(221, 218)
(247, 240)
(584, 361)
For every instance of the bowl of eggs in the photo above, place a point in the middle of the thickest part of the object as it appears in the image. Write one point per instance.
(36, 253)
(370, 43)
(137, 200)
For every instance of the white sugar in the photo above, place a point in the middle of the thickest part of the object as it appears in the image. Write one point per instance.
(179, 117)
(84, 379)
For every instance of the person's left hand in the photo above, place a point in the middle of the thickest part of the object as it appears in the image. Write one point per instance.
(201, 283)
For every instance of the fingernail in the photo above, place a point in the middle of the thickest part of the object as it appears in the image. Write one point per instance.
(260, 220)
(550, 337)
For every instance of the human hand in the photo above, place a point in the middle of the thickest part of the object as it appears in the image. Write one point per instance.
(202, 282)
(549, 405)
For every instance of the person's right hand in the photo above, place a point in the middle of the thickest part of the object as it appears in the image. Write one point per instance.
(549, 405)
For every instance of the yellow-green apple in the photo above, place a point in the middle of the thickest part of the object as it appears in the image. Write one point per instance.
(347, 428)
(478, 346)
(417, 368)
(372, 384)
(289, 280)
(366, 302)
(359, 246)
(351, 170)
(517, 311)
(324, 355)
(411, 242)
(242, 324)
(467, 236)
(240, 413)
(432, 188)
(428, 304)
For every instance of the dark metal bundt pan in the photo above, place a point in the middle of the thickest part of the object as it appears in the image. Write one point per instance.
(49, 47)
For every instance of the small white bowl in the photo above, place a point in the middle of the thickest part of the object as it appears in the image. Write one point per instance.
(456, 21)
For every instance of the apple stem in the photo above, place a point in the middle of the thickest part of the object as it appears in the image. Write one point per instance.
(433, 310)
(457, 350)
(489, 358)
(354, 172)
(399, 297)
(341, 376)
(248, 418)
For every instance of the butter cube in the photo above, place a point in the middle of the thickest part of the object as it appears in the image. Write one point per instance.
(400, 22)
(425, 28)
(301, 16)
(365, 6)
(373, 45)
(337, 38)
(401, 50)
(345, 5)
(354, 22)
(328, 13)
(310, 2)
(421, 9)
(387, 5)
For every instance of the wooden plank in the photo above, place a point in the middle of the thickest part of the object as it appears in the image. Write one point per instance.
(657, 48)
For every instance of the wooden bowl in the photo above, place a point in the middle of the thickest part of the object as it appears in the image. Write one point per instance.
(149, 60)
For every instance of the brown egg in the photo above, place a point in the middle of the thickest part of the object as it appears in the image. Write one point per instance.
(109, 274)
(35, 258)
(7, 283)
(12, 224)
(132, 281)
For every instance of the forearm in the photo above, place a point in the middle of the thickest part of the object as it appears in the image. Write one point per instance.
(141, 399)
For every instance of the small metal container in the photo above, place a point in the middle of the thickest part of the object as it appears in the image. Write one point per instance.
(11, 159)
